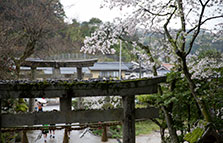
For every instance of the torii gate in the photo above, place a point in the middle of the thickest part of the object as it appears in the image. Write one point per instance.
(65, 90)
(56, 64)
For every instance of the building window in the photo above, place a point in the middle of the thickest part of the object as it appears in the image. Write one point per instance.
(109, 74)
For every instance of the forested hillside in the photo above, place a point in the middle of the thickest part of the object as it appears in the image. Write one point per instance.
(204, 41)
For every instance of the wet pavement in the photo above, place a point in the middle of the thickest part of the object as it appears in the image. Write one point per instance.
(74, 137)
(87, 138)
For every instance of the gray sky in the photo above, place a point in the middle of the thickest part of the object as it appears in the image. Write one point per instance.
(83, 10)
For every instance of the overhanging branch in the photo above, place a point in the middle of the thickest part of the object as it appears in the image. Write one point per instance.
(210, 18)
(198, 27)
(170, 38)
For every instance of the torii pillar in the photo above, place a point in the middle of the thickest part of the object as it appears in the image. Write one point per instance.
(32, 100)
(56, 72)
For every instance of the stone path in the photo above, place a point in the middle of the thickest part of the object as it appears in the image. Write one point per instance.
(88, 138)
(154, 137)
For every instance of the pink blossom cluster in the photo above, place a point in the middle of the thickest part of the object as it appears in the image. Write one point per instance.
(99, 102)
(102, 40)
(204, 68)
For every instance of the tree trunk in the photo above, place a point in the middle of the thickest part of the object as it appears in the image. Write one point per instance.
(188, 118)
(171, 129)
(162, 129)
(169, 121)
(162, 134)
(201, 104)
(168, 118)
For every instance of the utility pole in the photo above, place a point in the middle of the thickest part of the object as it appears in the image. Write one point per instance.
(140, 68)
(120, 60)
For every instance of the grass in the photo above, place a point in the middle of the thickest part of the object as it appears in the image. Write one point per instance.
(145, 127)
(142, 127)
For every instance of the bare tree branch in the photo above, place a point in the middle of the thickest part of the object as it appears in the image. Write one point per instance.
(210, 18)
(158, 14)
(183, 24)
(201, 2)
(198, 27)
(170, 38)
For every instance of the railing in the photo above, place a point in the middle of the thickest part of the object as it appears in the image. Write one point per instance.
(66, 90)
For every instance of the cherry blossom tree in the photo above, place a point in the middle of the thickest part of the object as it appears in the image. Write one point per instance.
(181, 22)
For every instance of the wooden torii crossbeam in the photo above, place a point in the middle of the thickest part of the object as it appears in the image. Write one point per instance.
(59, 63)
(65, 90)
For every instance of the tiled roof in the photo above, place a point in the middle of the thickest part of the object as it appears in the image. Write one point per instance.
(108, 66)
(168, 66)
